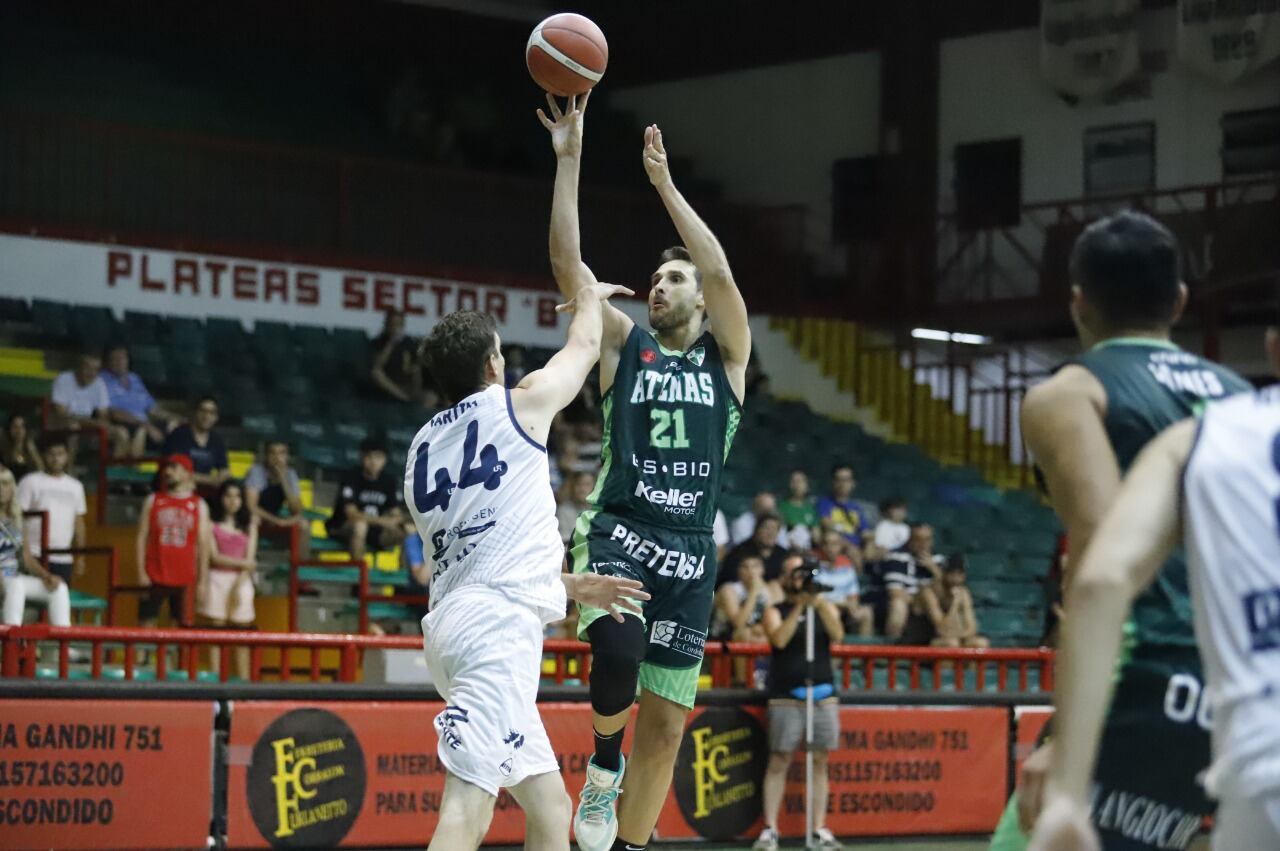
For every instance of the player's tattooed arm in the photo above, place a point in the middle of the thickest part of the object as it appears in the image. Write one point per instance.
(614, 594)
(565, 242)
(1062, 424)
(725, 306)
(1131, 544)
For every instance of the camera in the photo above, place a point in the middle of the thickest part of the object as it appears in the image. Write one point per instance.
(804, 579)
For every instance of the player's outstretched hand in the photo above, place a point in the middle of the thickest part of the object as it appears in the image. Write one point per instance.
(566, 130)
(614, 594)
(655, 156)
(1064, 826)
(599, 292)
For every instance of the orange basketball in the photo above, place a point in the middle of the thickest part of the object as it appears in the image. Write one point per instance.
(566, 54)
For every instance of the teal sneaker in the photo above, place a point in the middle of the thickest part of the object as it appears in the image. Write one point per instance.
(595, 824)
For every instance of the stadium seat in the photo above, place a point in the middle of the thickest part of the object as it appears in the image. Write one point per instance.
(51, 319)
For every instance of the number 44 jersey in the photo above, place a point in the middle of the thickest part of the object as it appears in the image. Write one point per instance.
(479, 490)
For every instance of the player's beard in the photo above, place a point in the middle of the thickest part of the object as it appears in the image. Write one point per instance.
(671, 318)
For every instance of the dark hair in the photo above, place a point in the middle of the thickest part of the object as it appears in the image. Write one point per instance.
(373, 443)
(217, 513)
(891, 503)
(274, 441)
(456, 350)
(207, 397)
(119, 344)
(769, 515)
(679, 252)
(1128, 267)
(52, 439)
(955, 563)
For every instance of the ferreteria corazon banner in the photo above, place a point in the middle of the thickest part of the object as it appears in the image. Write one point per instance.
(367, 774)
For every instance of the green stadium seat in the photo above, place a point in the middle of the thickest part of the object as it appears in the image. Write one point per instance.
(51, 319)
(86, 604)
(94, 326)
(321, 454)
(184, 332)
(262, 424)
(222, 331)
(140, 328)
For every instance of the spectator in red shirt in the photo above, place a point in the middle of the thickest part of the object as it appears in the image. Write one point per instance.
(172, 544)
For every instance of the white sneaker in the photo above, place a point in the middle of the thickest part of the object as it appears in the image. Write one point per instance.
(827, 840)
(767, 841)
(595, 824)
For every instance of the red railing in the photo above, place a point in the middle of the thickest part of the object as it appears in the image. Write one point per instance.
(1213, 223)
(903, 665)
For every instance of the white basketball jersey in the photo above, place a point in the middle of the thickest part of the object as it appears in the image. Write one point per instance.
(1231, 506)
(479, 490)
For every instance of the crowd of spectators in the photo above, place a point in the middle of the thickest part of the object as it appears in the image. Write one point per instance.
(878, 576)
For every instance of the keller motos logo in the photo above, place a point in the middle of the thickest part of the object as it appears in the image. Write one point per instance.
(306, 780)
(670, 500)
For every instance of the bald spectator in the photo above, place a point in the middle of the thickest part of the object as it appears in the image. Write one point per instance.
(80, 396)
(744, 525)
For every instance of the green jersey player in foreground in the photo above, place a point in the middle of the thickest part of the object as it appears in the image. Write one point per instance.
(1211, 484)
(1084, 427)
(671, 403)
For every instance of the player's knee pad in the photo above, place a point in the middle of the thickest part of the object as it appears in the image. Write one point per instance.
(617, 649)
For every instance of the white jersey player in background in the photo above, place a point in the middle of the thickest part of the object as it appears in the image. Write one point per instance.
(1214, 486)
(478, 485)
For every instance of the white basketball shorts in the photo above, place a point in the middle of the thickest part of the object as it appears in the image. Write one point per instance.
(484, 653)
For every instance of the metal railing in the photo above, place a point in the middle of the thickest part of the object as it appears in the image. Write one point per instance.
(571, 660)
(1029, 259)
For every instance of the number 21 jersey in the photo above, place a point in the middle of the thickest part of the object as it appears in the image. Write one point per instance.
(479, 490)
(669, 421)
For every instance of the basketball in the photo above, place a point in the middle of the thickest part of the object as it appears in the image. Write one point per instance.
(567, 54)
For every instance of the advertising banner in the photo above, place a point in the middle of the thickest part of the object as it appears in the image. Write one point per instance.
(105, 774)
(1228, 40)
(346, 774)
(1029, 723)
(183, 283)
(1088, 47)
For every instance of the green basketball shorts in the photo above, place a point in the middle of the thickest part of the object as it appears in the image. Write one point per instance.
(678, 570)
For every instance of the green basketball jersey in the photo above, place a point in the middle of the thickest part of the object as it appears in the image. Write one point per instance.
(1150, 385)
(669, 420)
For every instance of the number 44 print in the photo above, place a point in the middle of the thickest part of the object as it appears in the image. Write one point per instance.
(488, 472)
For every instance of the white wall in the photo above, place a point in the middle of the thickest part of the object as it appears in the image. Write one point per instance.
(769, 135)
(991, 87)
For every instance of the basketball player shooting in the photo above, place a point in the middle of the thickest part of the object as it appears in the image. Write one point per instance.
(478, 486)
(1212, 487)
(671, 403)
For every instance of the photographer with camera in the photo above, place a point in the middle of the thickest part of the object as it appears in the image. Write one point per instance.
(793, 668)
